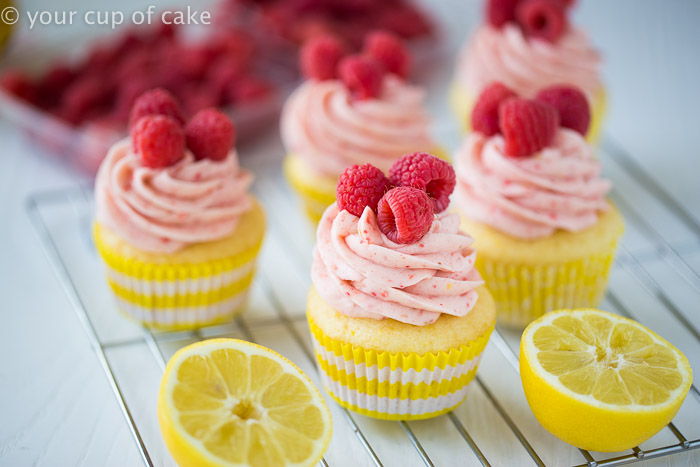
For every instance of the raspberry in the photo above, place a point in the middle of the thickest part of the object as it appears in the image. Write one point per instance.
(320, 56)
(159, 140)
(83, 96)
(156, 102)
(485, 113)
(19, 84)
(572, 105)
(428, 173)
(362, 75)
(500, 12)
(360, 186)
(387, 49)
(544, 19)
(527, 126)
(210, 134)
(248, 88)
(405, 214)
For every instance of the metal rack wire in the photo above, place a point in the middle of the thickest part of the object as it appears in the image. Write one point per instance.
(635, 261)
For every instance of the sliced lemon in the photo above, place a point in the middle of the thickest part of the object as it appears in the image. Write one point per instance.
(227, 402)
(599, 381)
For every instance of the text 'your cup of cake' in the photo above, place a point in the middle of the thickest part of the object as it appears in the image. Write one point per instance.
(176, 227)
(352, 109)
(398, 313)
(529, 189)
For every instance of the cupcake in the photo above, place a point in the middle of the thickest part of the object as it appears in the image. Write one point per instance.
(398, 314)
(530, 191)
(351, 110)
(528, 45)
(175, 225)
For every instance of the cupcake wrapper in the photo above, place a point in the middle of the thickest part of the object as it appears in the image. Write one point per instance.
(402, 386)
(524, 293)
(180, 296)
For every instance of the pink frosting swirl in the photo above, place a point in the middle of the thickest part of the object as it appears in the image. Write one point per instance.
(362, 274)
(331, 131)
(527, 65)
(530, 197)
(163, 210)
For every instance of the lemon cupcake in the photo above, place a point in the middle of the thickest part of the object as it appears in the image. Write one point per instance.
(176, 227)
(532, 196)
(398, 314)
(528, 45)
(351, 110)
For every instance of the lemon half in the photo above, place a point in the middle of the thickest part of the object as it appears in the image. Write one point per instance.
(599, 381)
(227, 402)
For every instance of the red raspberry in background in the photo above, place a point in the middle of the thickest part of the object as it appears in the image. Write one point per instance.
(528, 126)
(428, 173)
(57, 79)
(210, 134)
(19, 84)
(544, 19)
(248, 89)
(320, 56)
(156, 102)
(485, 113)
(387, 49)
(405, 214)
(360, 186)
(127, 95)
(195, 98)
(362, 76)
(572, 105)
(83, 97)
(405, 21)
(158, 140)
(500, 12)
(224, 71)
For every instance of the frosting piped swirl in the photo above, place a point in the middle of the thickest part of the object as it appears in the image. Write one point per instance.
(527, 65)
(362, 274)
(164, 210)
(530, 197)
(322, 124)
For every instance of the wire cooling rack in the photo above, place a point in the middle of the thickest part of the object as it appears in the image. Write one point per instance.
(656, 280)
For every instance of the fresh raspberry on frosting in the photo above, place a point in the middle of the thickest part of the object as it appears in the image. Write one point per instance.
(210, 134)
(405, 214)
(387, 49)
(320, 57)
(362, 76)
(156, 102)
(500, 12)
(158, 140)
(572, 104)
(428, 173)
(360, 186)
(544, 19)
(528, 126)
(485, 114)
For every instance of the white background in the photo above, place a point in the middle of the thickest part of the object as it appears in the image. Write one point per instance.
(56, 407)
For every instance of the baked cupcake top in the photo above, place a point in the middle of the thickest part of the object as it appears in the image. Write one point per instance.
(388, 249)
(527, 169)
(355, 109)
(528, 45)
(167, 187)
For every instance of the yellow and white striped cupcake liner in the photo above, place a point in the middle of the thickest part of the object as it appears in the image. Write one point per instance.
(523, 293)
(401, 386)
(179, 296)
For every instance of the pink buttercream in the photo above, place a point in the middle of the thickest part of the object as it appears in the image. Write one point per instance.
(530, 197)
(331, 131)
(527, 65)
(163, 210)
(362, 274)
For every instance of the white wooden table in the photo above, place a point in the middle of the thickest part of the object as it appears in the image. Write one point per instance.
(57, 406)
